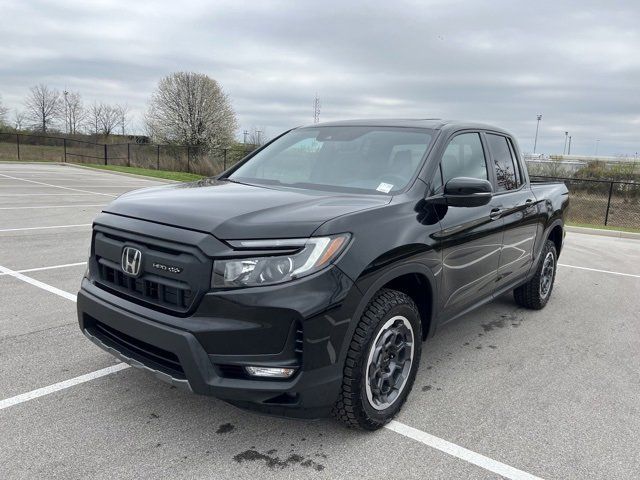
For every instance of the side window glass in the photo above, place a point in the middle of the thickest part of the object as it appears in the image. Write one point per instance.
(503, 163)
(464, 157)
(517, 163)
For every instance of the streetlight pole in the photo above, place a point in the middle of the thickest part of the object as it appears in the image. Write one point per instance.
(569, 151)
(535, 142)
(566, 136)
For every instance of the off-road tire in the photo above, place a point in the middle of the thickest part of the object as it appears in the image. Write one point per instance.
(529, 295)
(353, 407)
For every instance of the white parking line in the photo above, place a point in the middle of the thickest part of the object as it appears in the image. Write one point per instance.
(39, 269)
(54, 206)
(460, 452)
(25, 397)
(56, 186)
(44, 228)
(99, 185)
(38, 283)
(405, 430)
(598, 270)
(45, 194)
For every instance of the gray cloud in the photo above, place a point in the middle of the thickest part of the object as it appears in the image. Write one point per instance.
(503, 62)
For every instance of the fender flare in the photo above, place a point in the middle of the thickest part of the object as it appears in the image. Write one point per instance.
(557, 222)
(380, 281)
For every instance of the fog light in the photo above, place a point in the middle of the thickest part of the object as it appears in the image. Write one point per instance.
(279, 372)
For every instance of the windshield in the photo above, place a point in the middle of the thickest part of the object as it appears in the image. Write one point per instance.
(359, 159)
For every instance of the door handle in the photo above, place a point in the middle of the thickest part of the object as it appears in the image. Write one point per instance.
(495, 213)
(528, 201)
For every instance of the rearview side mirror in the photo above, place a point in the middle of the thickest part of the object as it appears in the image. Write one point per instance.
(467, 192)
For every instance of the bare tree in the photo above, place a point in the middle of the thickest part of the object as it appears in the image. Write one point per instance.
(108, 119)
(93, 117)
(190, 108)
(123, 113)
(43, 107)
(3, 112)
(18, 119)
(74, 111)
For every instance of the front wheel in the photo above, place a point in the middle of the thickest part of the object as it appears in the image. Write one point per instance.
(536, 292)
(382, 361)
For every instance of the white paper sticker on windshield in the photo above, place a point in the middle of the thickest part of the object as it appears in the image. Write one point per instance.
(384, 187)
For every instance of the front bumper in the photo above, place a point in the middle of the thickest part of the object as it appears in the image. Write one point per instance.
(206, 351)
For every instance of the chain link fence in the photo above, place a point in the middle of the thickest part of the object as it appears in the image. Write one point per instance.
(177, 158)
(601, 202)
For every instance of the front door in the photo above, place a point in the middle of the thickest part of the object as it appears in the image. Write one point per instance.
(471, 237)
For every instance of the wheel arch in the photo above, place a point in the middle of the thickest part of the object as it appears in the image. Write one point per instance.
(415, 280)
(556, 235)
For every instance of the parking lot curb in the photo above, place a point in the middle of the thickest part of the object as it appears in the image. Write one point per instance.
(603, 232)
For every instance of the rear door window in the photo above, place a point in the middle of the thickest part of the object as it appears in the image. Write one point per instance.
(507, 174)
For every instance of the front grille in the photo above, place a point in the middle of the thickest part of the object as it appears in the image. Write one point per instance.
(172, 278)
(157, 292)
(149, 355)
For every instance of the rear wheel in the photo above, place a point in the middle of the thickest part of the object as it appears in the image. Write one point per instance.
(536, 292)
(381, 363)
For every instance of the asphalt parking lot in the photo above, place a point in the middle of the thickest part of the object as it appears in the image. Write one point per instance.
(501, 392)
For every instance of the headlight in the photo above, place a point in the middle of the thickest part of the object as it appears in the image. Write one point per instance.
(310, 255)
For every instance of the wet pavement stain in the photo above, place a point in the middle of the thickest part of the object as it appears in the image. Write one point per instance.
(225, 428)
(426, 388)
(487, 327)
(152, 416)
(274, 462)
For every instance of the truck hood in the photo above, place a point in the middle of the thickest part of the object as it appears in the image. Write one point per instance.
(239, 211)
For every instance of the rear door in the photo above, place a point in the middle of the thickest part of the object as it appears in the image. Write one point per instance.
(471, 237)
(516, 206)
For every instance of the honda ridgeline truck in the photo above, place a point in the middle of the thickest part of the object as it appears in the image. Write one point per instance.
(303, 280)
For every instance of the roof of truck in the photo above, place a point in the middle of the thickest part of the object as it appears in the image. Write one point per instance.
(432, 123)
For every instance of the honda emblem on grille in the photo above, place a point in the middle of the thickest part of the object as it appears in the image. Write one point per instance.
(131, 261)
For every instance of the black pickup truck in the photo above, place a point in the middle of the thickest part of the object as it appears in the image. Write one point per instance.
(303, 280)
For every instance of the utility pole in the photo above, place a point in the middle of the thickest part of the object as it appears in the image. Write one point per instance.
(597, 143)
(569, 152)
(566, 137)
(535, 142)
(258, 132)
(66, 114)
(316, 109)
(245, 133)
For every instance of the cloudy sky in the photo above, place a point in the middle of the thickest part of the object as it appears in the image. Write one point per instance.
(575, 62)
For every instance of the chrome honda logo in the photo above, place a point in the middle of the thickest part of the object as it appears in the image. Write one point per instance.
(131, 261)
